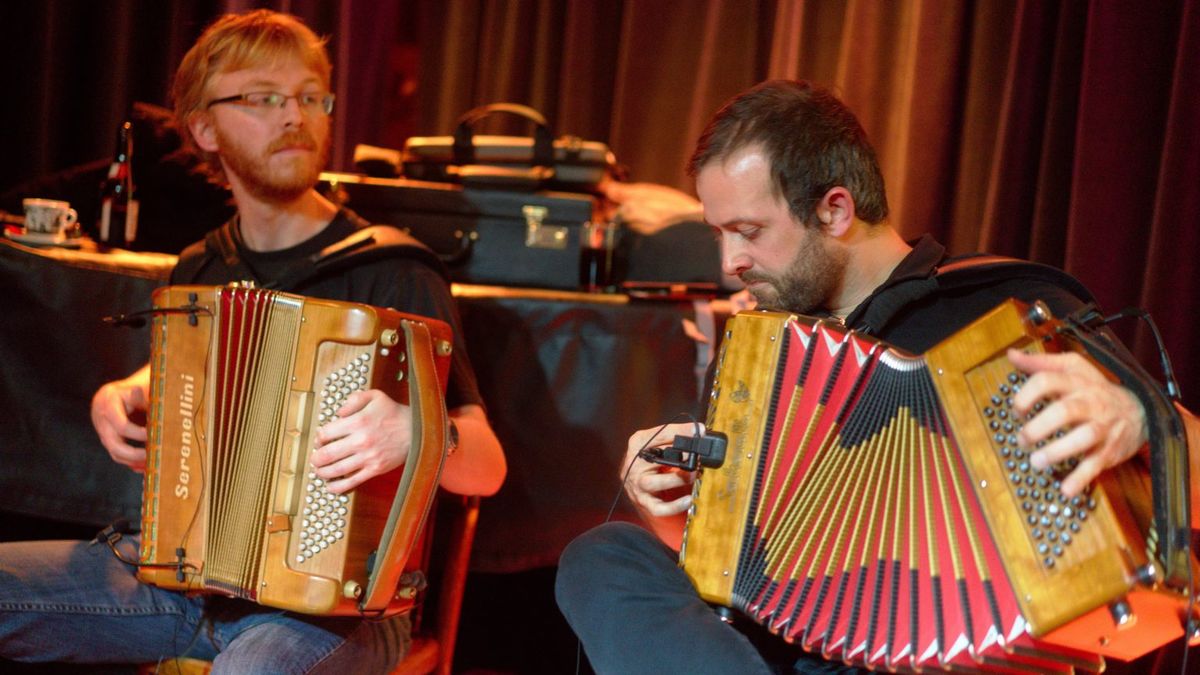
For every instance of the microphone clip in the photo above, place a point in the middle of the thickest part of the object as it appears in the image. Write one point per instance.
(690, 452)
(111, 534)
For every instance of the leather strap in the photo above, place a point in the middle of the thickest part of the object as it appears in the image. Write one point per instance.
(366, 244)
(221, 241)
(985, 268)
(422, 470)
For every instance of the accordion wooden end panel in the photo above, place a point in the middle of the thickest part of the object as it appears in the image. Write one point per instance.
(707, 558)
(241, 380)
(877, 508)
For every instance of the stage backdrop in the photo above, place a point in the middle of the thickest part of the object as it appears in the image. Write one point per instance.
(1068, 133)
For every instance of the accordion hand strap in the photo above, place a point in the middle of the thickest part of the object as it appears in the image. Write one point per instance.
(1169, 471)
(422, 470)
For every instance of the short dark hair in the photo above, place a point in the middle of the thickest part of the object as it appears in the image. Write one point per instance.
(811, 140)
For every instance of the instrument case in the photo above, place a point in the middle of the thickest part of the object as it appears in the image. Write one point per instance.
(484, 236)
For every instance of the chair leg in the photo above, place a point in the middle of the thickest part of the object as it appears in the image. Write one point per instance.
(458, 557)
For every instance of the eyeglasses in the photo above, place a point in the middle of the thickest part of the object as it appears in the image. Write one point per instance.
(310, 102)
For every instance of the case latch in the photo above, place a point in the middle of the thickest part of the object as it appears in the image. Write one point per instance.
(540, 235)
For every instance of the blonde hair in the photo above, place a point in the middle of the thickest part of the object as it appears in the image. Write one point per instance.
(234, 42)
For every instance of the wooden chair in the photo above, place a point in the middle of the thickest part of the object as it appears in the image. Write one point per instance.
(433, 645)
(448, 543)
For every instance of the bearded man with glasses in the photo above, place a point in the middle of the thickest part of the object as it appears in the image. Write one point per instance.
(253, 95)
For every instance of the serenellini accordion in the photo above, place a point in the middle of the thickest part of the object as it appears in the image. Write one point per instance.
(241, 380)
(875, 507)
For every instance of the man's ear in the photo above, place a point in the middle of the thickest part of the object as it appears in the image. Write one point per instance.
(204, 133)
(835, 211)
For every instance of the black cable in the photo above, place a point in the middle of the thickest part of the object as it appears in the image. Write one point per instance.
(187, 648)
(113, 534)
(620, 490)
(138, 319)
(625, 477)
(1171, 383)
(116, 531)
(1174, 393)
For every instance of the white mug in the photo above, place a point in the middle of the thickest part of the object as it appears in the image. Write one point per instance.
(48, 216)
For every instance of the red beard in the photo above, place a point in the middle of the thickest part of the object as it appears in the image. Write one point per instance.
(269, 177)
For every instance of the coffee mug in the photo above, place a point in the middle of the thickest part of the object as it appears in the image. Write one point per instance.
(48, 216)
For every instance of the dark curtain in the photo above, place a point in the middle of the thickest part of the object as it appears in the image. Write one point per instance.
(1062, 132)
(73, 69)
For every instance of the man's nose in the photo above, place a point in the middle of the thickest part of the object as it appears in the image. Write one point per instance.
(734, 259)
(292, 113)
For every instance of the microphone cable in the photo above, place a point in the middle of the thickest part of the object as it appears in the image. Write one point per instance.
(643, 453)
(117, 530)
(1091, 318)
(138, 319)
(640, 454)
(1191, 626)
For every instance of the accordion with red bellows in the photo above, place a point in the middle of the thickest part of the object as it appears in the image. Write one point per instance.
(875, 507)
(241, 380)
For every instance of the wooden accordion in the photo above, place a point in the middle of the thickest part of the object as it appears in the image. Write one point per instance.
(875, 507)
(241, 379)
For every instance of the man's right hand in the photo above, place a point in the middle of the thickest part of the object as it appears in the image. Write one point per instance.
(112, 408)
(661, 494)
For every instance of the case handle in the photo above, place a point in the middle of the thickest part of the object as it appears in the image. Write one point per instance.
(464, 133)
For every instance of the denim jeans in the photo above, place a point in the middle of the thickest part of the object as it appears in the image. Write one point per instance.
(635, 611)
(66, 601)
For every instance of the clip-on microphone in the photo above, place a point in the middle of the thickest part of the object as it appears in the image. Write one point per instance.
(113, 533)
(690, 452)
(138, 319)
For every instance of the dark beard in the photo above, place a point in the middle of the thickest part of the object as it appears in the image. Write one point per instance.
(811, 280)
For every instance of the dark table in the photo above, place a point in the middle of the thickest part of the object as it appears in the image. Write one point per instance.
(566, 378)
(57, 351)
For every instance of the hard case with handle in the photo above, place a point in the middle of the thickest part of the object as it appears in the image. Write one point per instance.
(484, 236)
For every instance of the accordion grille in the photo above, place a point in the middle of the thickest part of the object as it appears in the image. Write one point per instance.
(257, 335)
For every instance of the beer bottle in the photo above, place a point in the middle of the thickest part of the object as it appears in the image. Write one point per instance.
(118, 207)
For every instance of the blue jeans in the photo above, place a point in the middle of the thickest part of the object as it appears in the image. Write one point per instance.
(635, 611)
(66, 601)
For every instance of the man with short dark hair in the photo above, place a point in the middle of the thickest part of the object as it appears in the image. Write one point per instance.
(253, 95)
(792, 188)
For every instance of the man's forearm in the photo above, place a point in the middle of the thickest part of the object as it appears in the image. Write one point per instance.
(477, 466)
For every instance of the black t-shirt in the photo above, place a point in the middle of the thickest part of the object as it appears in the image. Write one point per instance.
(915, 310)
(405, 283)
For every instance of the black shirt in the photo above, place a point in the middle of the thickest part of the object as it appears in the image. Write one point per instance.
(914, 309)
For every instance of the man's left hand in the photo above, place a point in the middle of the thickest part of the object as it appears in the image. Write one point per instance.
(371, 436)
(1107, 423)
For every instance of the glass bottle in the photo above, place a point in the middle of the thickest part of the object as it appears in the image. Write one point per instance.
(118, 205)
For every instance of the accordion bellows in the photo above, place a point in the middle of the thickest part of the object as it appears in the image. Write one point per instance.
(241, 380)
(876, 508)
